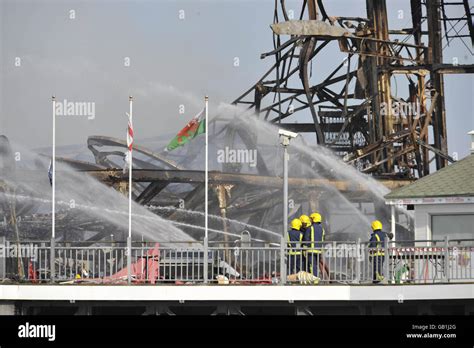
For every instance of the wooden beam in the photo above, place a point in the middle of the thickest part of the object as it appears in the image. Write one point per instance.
(195, 176)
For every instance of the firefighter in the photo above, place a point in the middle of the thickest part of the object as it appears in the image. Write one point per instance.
(312, 240)
(376, 247)
(306, 221)
(295, 236)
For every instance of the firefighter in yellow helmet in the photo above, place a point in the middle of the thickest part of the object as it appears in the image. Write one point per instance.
(376, 250)
(312, 240)
(295, 236)
(306, 221)
(316, 218)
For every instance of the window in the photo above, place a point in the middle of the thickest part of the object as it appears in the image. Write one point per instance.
(459, 226)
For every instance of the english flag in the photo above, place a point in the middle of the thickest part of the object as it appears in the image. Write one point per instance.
(129, 143)
(129, 133)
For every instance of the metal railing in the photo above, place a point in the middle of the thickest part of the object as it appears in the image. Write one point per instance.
(395, 262)
(431, 261)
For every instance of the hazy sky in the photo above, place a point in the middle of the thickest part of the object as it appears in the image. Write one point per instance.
(173, 62)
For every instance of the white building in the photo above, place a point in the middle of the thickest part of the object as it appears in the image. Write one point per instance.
(443, 202)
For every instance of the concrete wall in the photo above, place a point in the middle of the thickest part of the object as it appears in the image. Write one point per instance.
(423, 214)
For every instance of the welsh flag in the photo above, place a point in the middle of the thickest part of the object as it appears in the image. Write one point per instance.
(194, 127)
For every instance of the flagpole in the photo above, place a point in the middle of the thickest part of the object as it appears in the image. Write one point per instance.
(206, 175)
(53, 181)
(130, 166)
(130, 99)
(206, 189)
(53, 160)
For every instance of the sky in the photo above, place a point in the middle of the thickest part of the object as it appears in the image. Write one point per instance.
(167, 54)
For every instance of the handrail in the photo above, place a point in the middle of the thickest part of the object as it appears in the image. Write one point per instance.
(346, 262)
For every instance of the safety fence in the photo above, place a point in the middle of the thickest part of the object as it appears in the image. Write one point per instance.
(394, 262)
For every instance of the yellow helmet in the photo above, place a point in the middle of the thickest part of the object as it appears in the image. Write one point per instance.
(296, 224)
(305, 220)
(316, 217)
(376, 225)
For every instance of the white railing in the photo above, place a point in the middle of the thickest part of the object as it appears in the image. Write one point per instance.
(401, 262)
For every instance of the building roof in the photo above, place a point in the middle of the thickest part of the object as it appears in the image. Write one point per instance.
(455, 180)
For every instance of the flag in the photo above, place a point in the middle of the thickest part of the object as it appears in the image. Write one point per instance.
(129, 144)
(50, 172)
(129, 133)
(194, 127)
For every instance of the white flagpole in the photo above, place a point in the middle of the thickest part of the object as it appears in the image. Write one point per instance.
(53, 161)
(130, 165)
(206, 189)
(52, 259)
(206, 175)
(130, 99)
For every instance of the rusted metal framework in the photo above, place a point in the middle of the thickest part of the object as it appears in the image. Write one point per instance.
(352, 110)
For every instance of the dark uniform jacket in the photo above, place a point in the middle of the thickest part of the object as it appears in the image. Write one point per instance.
(294, 241)
(377, 241)
(313, 236)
